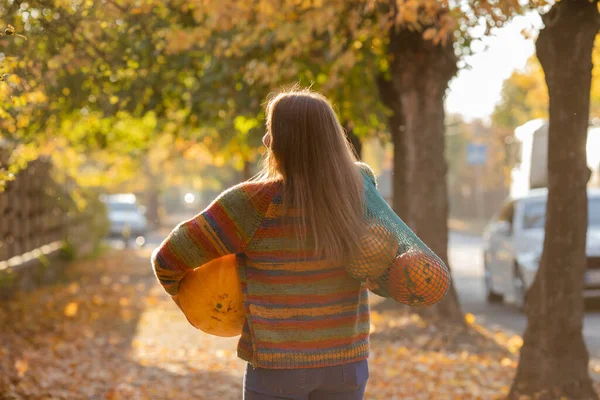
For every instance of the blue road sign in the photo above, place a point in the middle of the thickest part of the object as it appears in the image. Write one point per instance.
(476, 154)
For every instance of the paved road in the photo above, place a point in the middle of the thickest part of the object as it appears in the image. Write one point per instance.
(154, 238)
(466, 261)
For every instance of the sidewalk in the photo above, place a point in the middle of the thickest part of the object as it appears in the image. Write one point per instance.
(112, 333)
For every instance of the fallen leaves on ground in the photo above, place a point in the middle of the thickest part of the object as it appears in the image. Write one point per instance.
(112, 333)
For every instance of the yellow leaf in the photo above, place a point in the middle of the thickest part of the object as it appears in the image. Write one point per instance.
(514, 344)
(151, 300)
(429, 33)
(126, 315)
(71, 309)
(21, 366)
(506, 362)
(376, 317)
(74, 288)
(470, 319)
(114, 99)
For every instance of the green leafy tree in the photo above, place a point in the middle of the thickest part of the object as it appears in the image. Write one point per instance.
(524, 97)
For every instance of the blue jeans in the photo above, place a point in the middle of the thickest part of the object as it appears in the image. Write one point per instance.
(340, 382)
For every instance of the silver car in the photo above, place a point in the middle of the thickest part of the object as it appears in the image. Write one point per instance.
(513, 242)
(125, 215)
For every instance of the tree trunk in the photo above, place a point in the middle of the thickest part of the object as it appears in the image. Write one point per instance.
(152, 195)
(353, 139)
(246, 171)
(554, 359)
(420, 73)
(400, 184)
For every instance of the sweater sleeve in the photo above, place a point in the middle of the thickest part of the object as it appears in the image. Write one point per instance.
(226, 226)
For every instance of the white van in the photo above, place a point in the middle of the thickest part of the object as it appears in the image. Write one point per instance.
(529, 155)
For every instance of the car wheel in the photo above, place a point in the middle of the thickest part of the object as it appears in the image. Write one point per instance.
(519, 288)
(490, 295)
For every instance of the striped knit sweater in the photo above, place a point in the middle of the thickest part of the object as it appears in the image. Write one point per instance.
(301, 312)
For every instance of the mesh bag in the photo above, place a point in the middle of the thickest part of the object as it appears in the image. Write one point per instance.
(392, 256)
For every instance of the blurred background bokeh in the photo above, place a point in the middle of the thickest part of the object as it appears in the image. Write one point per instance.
(121, 118)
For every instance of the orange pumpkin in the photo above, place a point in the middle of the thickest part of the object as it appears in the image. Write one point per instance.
(417, 278)
(211, 297)
(376, 251)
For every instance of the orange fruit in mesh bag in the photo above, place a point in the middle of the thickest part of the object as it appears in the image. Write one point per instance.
(417, 278)
(376, 251)
(211, 297)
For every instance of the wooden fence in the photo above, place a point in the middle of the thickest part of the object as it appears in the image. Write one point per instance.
(39, 225)
(29, 219)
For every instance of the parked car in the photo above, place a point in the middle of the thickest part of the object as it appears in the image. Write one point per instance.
(513, 243)
(125, 215)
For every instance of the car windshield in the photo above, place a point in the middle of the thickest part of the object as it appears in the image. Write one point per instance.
(535, 213)
(122, 207)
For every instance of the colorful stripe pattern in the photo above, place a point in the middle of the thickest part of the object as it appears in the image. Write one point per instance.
(301, 312)
(226, 226)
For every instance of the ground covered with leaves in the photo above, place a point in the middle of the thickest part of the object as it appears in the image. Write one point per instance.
(110, 332)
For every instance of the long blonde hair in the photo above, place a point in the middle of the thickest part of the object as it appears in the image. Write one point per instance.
(309, 152)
